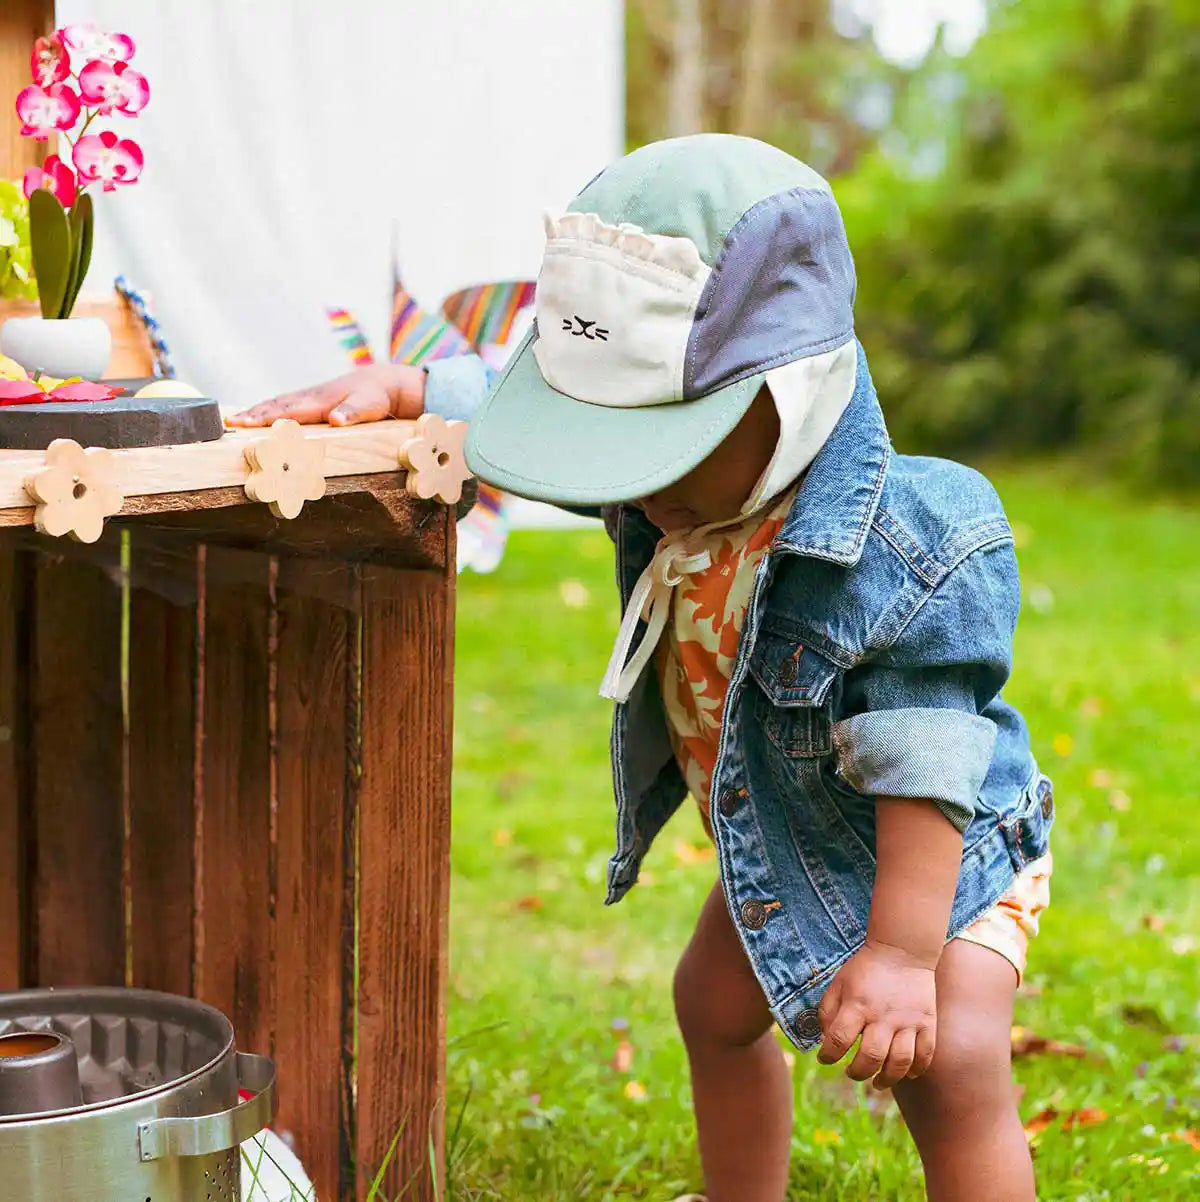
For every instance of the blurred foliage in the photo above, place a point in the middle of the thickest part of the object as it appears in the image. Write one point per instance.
(16, 271)
(1042, 289)
(1025, 219)
(792, 72)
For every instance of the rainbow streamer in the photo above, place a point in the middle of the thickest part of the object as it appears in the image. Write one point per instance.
(137, 301)
(486, 313)
(349, 333)
(479, 319)
(419, 336)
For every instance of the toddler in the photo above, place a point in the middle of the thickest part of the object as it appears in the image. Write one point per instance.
(816, 631)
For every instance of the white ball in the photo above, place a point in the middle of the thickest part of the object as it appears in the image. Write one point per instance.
(167, 389)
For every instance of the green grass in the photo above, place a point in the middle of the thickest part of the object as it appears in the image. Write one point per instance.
(545, 979)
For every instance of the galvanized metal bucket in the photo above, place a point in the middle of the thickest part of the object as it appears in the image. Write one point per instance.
(159, 1118)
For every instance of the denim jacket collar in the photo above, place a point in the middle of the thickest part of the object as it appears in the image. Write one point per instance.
(840, 494)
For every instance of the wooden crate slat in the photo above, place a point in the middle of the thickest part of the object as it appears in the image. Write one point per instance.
(314, 928)
(162, 761)
(404, 838)
(13, 730)
(234, 936)
(77, 769)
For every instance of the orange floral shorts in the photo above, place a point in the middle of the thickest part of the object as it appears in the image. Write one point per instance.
(1012, 922)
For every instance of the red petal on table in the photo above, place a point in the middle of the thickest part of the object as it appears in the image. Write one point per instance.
(85, 390)
(20, 392)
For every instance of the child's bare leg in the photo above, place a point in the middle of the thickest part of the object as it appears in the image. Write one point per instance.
(962, 1112)
(741, 1087)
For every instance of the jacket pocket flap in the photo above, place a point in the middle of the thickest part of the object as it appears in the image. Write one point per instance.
(790, 673)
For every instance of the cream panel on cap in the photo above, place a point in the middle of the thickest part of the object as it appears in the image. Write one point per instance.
(615, 308)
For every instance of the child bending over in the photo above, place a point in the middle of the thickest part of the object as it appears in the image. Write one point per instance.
(816, 631)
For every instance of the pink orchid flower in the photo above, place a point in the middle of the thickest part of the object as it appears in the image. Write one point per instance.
(88, 41)
(109, 86)
(55, 176)
(44, 111)
(105, 159)
(49, 62)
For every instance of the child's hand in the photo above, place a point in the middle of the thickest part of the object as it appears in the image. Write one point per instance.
(368, 394)
(888, 997)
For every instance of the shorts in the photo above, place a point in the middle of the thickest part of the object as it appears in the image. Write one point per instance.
(1012, 922)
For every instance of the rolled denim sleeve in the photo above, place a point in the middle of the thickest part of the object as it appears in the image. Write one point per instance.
(456, 387)
(916, 726)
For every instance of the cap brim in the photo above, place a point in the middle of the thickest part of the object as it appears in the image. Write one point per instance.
(536, 442)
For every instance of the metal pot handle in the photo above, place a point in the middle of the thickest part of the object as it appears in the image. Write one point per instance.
(210, 1133)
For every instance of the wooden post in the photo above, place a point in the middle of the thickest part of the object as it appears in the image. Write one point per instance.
(404, 841)
(76, 753)
(22, 22)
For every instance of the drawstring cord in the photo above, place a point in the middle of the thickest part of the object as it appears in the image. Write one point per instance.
(651, 600)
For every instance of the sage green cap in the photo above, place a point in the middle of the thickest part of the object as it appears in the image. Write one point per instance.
(674, 282)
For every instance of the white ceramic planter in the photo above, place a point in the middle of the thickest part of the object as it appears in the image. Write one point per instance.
(74, 346)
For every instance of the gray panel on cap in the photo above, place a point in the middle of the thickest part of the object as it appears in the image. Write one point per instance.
(782, 289)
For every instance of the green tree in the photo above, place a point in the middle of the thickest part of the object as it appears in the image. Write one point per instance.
(1040, 286)
(782, 70)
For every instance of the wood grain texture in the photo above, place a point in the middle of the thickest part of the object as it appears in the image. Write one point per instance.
(234, 946)
(315, 723)
(77, 771)
(21, 23)
(364, 519)
(145, 471)
(404, 841)
(162, 769)
(13, 732)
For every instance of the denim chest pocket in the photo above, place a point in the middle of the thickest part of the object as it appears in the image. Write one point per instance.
(798, 686)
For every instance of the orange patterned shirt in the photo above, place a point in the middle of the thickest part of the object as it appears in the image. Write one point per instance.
(697, 653)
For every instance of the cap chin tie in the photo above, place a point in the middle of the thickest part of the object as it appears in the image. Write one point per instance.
(674, 559)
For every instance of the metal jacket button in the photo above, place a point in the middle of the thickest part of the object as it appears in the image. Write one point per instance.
(1047, 802)
(730, 800)
(754, 915)
(808, 1025)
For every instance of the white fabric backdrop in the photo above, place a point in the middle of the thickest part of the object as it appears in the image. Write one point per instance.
(286, 140)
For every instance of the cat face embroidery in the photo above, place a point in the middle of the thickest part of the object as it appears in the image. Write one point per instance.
(579, 328)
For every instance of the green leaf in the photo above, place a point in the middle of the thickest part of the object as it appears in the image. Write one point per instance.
(81, 244)
(50, 235)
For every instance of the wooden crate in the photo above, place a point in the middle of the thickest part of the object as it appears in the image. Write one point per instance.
(225, 746)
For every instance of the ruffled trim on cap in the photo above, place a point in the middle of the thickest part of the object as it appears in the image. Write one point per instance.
(679, 255)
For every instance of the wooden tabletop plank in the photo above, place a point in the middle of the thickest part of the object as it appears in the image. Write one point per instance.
(373, 448)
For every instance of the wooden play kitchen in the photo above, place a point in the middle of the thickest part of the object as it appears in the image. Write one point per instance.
(225, 745)
(225, 741)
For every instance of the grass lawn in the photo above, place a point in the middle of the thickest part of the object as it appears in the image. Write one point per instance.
(548, 984)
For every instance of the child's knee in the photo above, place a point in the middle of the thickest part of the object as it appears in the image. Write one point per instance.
(970, 1073)
(715, 1006)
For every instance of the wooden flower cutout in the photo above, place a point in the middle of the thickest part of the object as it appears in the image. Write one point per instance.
(437, 465)
(75, 491)
(286, 469)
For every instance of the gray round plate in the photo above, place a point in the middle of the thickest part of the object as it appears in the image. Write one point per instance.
(124, 422)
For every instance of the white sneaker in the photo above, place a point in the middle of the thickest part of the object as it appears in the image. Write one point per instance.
(691, 1198)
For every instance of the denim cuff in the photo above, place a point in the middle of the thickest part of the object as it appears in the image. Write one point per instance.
(456, 387)
(937, 755)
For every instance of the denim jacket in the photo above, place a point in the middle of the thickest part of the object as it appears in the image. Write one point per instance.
(875, 645)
